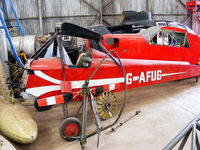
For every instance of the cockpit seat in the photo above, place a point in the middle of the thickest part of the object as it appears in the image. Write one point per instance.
(84, 59)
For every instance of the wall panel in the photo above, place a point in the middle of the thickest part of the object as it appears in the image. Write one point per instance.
(54, 11)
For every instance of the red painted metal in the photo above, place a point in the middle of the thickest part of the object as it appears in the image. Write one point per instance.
(46, 64)
(193, 3)
(58, 99)
(66, 87)
(134, 46)
(145, 64)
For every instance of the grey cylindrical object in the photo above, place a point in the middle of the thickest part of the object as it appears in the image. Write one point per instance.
(25, 43)
(3, 51)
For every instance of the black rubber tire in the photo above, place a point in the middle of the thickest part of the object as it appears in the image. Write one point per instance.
(69, 121)
(38, 108)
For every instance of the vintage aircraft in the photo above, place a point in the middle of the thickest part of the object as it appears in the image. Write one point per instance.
(58, 73)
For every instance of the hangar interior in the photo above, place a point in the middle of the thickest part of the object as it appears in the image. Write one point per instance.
(160, 111)
(89, 12)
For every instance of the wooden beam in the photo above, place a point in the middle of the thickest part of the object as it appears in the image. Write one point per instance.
(149, 4)
(101, 11)
(95, 15)
(91, 6)
(108, 4)
(40, 16)
(95, 19)
(106, 22)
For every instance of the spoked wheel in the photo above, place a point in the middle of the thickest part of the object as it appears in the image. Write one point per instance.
(38, 108)
(107, 105)
(70, 128)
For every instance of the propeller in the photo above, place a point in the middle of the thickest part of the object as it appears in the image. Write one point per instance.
(74, 30)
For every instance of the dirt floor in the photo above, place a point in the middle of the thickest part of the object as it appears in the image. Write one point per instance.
(165, 110)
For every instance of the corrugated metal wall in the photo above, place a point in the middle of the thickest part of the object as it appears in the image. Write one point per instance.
(78, 12)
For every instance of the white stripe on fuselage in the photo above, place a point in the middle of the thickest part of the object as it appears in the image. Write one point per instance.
(97, 82)
(38, 91)
(79, 84)
(170, 74)
(46, 77)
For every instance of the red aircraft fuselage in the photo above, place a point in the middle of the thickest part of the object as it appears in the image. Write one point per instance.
(134, 46)
(145, 64)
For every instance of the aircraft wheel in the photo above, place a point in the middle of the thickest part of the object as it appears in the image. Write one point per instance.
(70, 128)
(38, 108)
(106, 105)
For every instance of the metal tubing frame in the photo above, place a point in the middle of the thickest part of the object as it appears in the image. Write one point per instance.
(191, 128)
(16, 17)
(184, 141)
(84, 117)
(6, 12)
(10, 41)
(86, 92)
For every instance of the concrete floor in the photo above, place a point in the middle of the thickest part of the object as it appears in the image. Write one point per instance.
(165, 110)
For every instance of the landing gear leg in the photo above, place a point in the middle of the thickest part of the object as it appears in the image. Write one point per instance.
(83, 139)
(65, 110)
